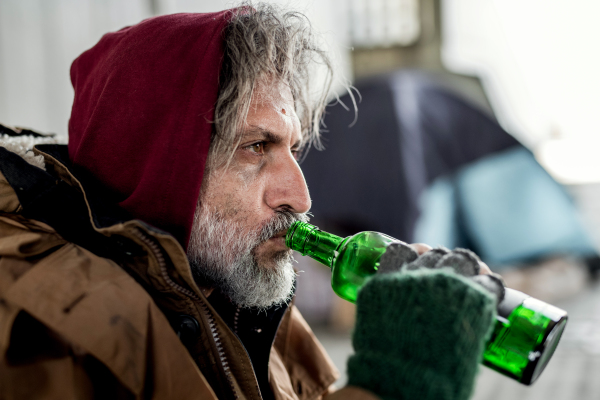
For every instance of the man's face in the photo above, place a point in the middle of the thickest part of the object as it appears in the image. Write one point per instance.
(238, 238)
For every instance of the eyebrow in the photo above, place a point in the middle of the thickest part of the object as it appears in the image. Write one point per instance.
(267, 135)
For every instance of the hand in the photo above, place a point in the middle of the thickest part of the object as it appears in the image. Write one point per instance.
(462, 261)
(420, 332)
(422, 248)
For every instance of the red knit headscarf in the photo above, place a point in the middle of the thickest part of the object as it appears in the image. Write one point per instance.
(144, 99)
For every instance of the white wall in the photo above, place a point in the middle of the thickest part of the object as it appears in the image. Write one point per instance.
(40, 38)
(38, 41)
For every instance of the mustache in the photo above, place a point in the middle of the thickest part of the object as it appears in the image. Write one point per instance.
(281, 221)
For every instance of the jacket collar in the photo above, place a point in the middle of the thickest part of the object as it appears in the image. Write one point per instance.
(83, 212)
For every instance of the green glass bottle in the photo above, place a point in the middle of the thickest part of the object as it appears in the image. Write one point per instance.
(527, 330)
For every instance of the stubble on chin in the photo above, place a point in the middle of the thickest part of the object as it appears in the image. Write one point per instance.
(223, 254)
(269, 259)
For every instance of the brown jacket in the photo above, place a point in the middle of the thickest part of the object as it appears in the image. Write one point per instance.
(79, 322)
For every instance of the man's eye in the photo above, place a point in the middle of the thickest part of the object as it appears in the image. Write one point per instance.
(258, 148)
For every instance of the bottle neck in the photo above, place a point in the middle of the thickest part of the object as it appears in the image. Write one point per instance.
(310, 241)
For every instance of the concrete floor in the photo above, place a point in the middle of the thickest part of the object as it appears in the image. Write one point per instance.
(572, 374)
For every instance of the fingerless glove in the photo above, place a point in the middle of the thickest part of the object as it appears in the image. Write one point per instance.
(420, 334)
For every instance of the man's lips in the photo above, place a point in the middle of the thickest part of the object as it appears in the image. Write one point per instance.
(279, 235)
(279, 239)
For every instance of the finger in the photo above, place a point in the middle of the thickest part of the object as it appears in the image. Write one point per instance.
(421, 248)
(493, 284)
(484, 269)
(428, 259)
(463, 261)
(395, 256)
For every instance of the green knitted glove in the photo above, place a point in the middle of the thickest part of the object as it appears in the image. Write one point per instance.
(420, 335)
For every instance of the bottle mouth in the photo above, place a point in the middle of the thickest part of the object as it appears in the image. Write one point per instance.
(297, 235)
(550, 345)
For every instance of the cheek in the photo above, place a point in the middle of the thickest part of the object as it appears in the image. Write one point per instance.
(248, 178)
(238, 192)
(245, 197)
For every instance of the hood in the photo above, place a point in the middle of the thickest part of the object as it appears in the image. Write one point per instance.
(141, 117)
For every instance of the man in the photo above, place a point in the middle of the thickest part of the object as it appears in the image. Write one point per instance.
(147, 259)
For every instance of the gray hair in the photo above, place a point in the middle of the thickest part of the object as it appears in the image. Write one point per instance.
(263, 41)
(221, 255)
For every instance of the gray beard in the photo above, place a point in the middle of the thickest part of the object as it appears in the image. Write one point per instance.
(222, 256)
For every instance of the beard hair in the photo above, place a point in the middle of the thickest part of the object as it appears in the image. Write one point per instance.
(222, 255)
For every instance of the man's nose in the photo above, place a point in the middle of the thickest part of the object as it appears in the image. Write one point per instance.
(287, 188)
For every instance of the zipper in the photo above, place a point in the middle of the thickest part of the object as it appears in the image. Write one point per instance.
(156, 251)
(236, 316)
(215, 334)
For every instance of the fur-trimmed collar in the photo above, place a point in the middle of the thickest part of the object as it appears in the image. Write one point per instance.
(22, 145)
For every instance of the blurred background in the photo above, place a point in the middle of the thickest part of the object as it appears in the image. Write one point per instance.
(478, 126)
